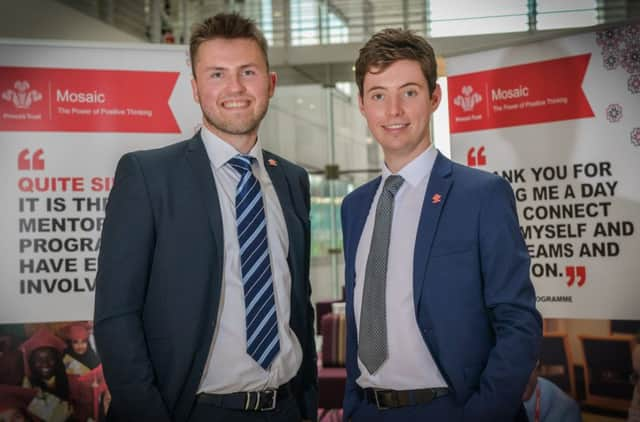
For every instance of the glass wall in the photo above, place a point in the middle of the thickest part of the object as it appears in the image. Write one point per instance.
(321, 129)
(313, 22)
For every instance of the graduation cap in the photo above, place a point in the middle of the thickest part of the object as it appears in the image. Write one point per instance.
(41, 338)
(76, 331)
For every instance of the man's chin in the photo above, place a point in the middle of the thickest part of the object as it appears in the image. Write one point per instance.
(238, 131)
(235, 128)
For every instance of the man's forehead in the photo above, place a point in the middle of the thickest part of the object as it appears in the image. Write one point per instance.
(410, 70)
(237, 52)
(225, 65)
(241, 46)
(392, 80)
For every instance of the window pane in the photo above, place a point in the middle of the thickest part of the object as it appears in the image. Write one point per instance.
(338, 32)
(478, 26)
(304, 22)
(555, 5)
(266, 21)
(555, 14)
(563, 20)
(447, 9)
(450, 18)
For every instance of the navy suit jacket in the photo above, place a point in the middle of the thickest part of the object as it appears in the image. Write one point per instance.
(473, 299)
(160, 274)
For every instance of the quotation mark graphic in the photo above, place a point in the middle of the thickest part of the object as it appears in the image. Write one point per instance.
(474, 159)
(30, 162)
(579, 272)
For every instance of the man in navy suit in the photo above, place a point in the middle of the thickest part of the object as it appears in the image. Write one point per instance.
(441, 317)
(202, 309)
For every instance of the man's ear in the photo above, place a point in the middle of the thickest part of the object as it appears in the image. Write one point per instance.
(436, 97)
(273, 81)
(194, 90)
(361, 104)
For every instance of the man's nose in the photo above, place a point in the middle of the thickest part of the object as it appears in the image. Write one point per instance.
(236, 84)
(394, 106)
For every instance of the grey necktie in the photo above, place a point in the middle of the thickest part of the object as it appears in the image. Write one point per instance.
(372, 339)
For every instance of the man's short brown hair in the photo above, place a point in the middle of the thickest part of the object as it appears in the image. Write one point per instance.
(225, 25)
(390, 45)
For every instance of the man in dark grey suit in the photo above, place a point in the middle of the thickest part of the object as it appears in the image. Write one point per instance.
(203, 298)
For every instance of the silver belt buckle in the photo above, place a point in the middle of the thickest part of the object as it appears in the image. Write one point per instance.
(378, 405)
(274, 399)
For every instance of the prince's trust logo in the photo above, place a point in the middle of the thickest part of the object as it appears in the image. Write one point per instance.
(21, 96)
(468, 99)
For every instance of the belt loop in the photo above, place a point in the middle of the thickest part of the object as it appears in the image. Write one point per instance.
(247, 399)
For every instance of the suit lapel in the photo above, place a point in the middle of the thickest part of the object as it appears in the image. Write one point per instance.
(361, 206)
(434, 201)
(199, 161)
(281, 186)
(293, 221)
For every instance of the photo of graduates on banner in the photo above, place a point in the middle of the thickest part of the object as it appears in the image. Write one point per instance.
(51, 372)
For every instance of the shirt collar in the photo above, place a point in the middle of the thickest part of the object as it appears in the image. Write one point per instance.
(220, 151)
(417, 169)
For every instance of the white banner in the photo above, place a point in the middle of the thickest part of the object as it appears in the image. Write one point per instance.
(560, 119)
(67, 113)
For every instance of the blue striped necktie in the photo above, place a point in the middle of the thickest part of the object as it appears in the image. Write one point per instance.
(261, 319)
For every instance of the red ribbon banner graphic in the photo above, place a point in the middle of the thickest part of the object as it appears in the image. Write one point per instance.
(540, 92)
(86, 100)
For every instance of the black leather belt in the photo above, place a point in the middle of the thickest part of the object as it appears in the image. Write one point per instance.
(265, 400)
(386, 399)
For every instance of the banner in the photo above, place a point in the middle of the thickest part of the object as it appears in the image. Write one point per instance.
(67, 113)
(560, 120)
(86, 100)
(520, 95)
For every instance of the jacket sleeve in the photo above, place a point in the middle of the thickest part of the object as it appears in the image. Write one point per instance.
(126, 256)
(510, 301)
(353, 393)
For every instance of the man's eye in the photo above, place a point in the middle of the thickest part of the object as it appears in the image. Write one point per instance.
(248, 72)
(216, 75)
(377, 97)
(411, 93)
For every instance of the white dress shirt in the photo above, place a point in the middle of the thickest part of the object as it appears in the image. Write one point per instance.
(229, 368)
(409, 364)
